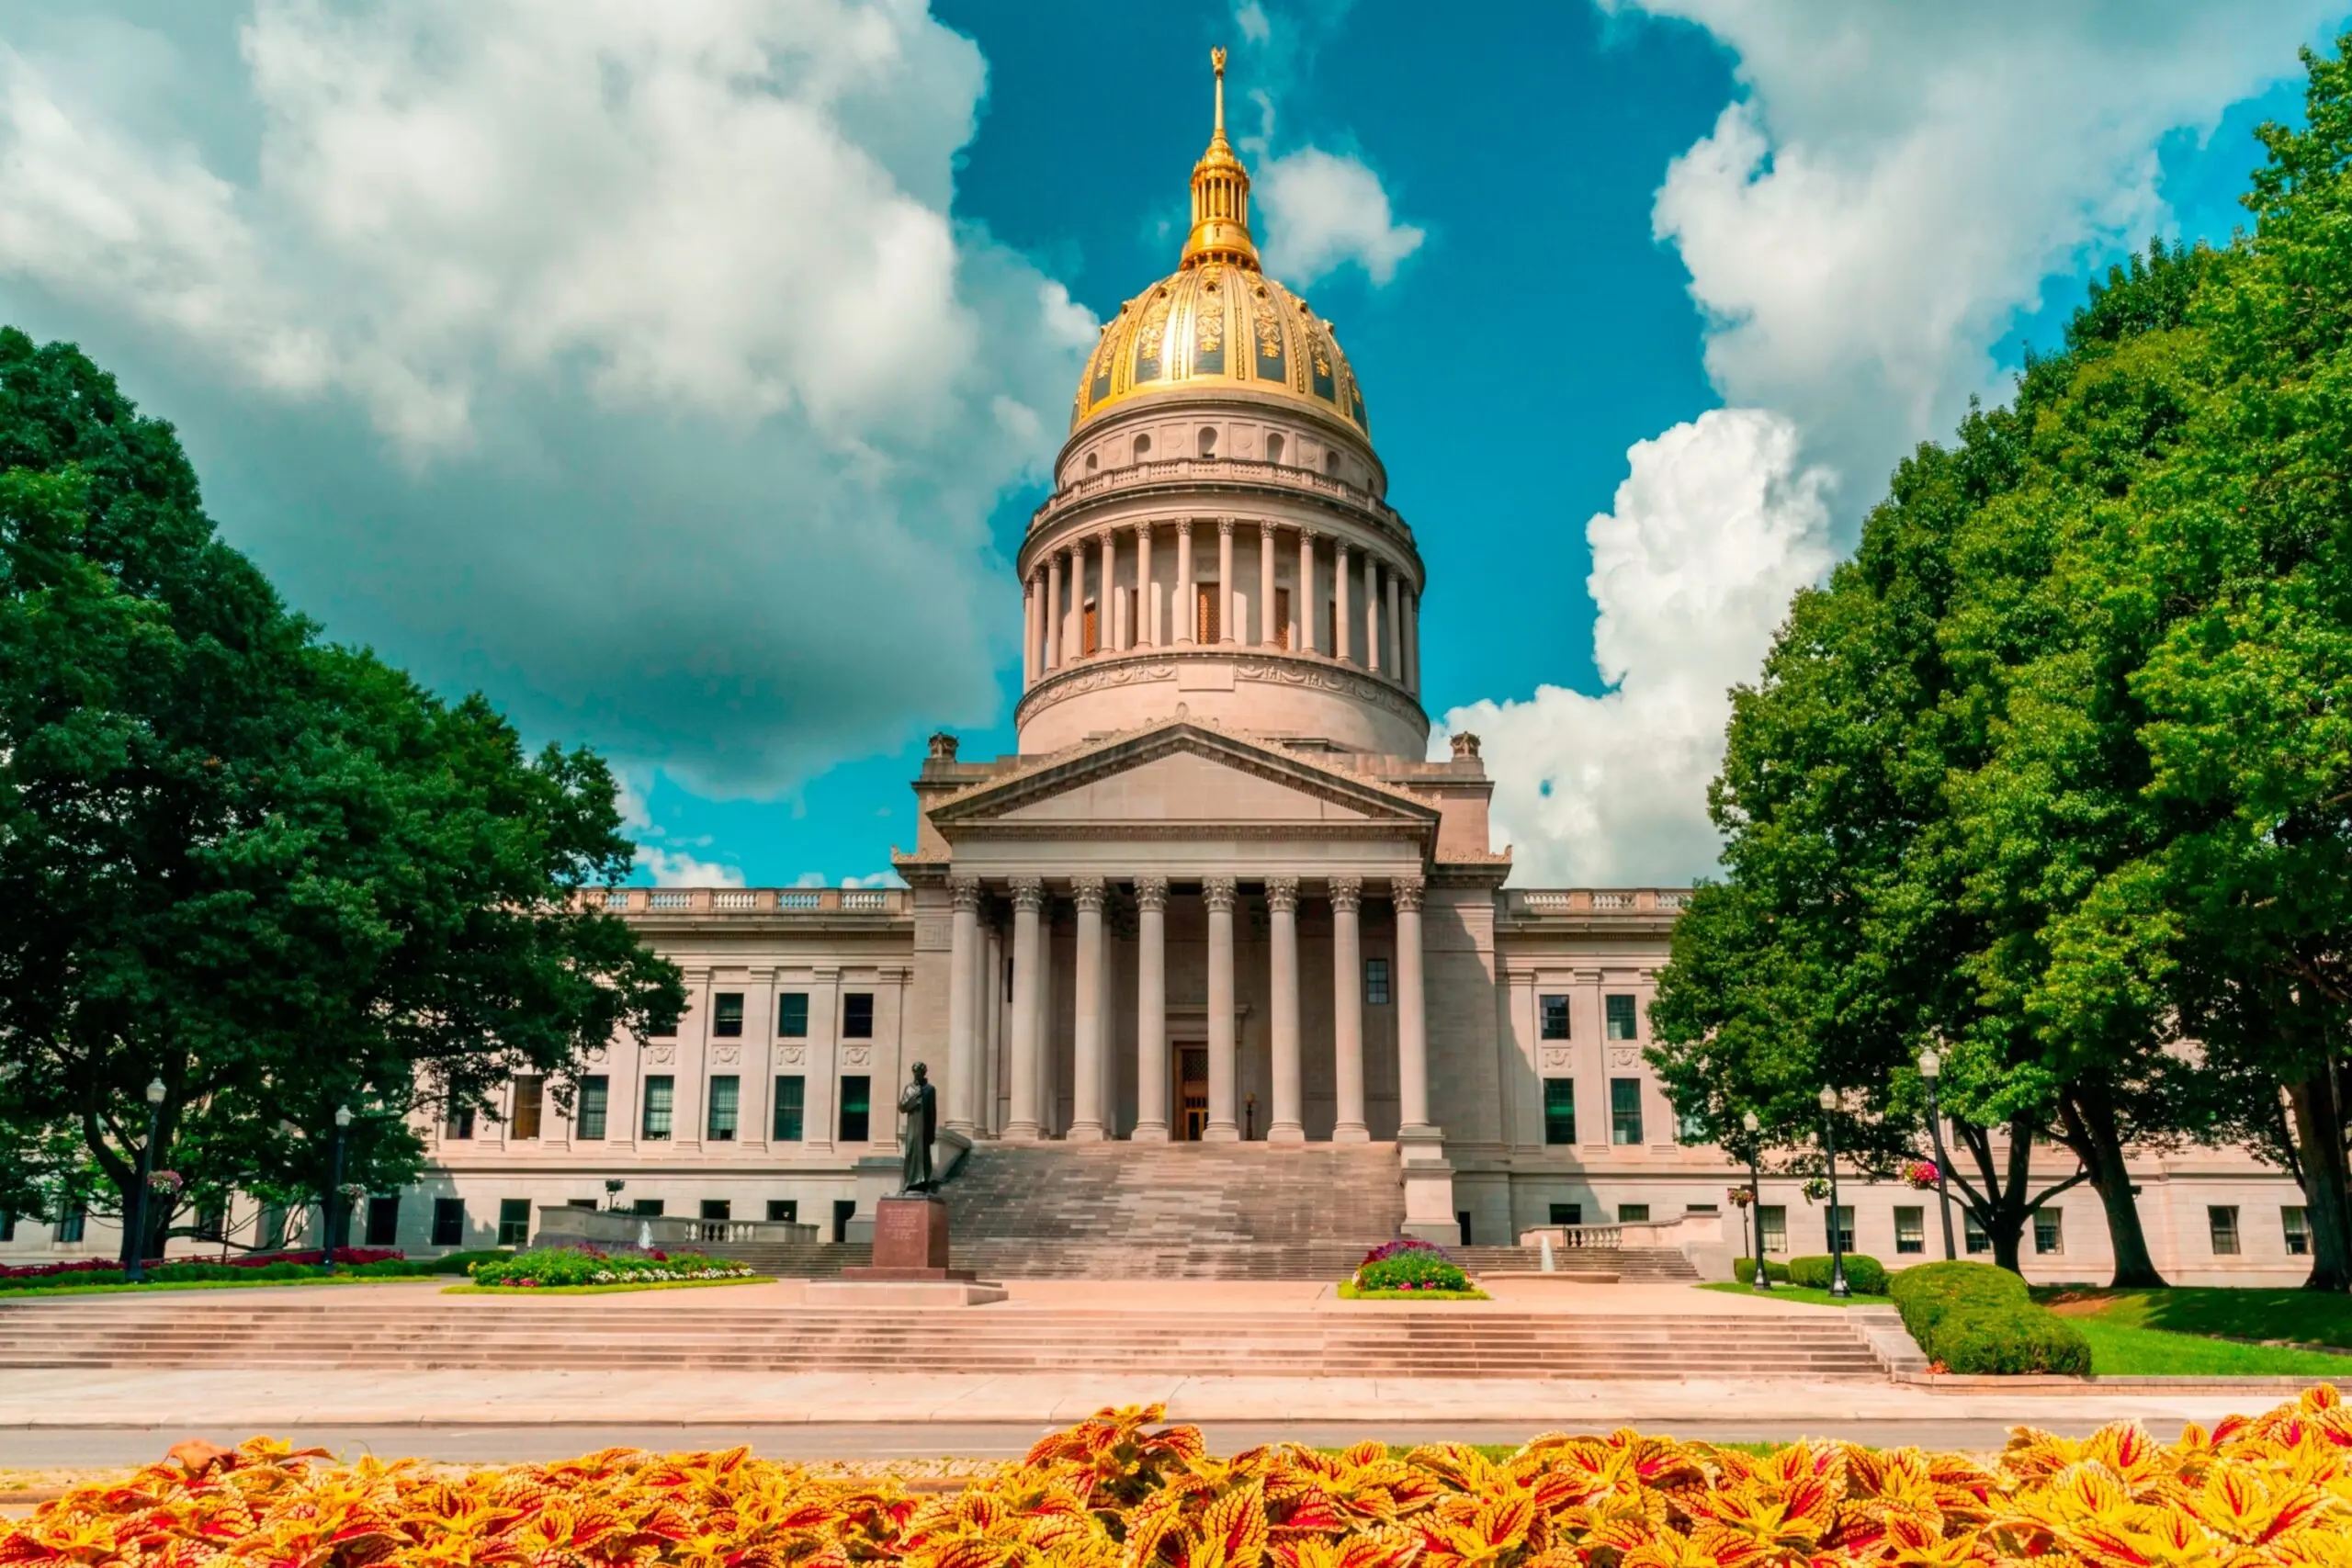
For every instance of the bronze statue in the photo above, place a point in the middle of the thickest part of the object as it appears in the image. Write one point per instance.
(918, 1125)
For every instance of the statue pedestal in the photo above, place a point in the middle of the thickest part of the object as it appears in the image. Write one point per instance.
(909, 1267)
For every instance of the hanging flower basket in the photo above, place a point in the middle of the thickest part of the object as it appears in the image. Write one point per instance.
(1740, 1197)
(352, 1191)
(1816, 1188)
(1920, 1174)
(164, 1180)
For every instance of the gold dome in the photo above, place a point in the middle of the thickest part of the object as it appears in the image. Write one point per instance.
(1218, 322)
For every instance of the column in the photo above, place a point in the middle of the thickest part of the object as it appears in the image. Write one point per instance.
(1288, 1124)
(1413, 643)
(1086, 1088)
(1183, 609)
(989, 1119)
(1302, 595)
(1146, 604)
(1028, 897)
(1151, 1009)
(962, 1098)
(1412, 1021)
(1267, 634)
(1106, 597)
(1223, 1126)
(1346, 1010)
(1225, 627)
(1029, 632)
(1048, 1103)
(1371, 612)
(1343, 634)
(1395, 630)
(1054, 611)
(1074, 632)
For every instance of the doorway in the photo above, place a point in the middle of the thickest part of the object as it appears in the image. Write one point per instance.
(1191, 1091)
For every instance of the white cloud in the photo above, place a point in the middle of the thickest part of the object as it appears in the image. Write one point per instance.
(874, 879)
(1324, 211)
(623, 358)
(671, 868)
(1714, 527)
(1251, 18)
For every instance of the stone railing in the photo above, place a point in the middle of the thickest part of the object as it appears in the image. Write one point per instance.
(1598, 900)
(1197, 470)
(560, 1226)
(749, 900)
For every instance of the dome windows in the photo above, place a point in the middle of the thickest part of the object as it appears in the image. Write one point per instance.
(1208, 447)
(1273, 448)
(1143, 448)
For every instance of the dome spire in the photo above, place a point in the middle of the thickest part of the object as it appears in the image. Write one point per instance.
(1220, 195)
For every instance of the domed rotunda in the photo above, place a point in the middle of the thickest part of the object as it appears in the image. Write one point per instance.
(1217, 538)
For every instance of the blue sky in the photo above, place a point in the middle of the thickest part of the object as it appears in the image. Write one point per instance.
(681, 377)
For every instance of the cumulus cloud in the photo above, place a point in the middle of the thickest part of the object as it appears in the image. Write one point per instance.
(624, 359)
(1324, 211)
(1716, 526)
(675, 868)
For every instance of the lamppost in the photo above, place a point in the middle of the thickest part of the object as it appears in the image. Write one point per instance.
(1931, 1067)
(1837, 1287)
(136, 1272)
(1748, 1120)
(337, 1217)
(613, 1185)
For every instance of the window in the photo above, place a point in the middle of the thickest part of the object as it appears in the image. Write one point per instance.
(1273, 448)
(1843, 1239)
(717, 1209)
(1090, 629)
(1702, 1208)
(595, 1099)
(787, 1210)
(727, 1015)
(1633, 1213)
(856, 1104)
(1281, 637)
(791, 1100)
(792, 1015)
(2296, 1223)
(514, 1221)
(857, 1015)
(1204, 628)
(661, 1100)
(845, 1210)
(1555, 1013)
(1559, 1111)
(726, 1095)
(1143, 448)
(530, 1094)
(72, 1223)
(1567, 1214)
(1977, 1241)
(383, 1220)
(1375, 982)
(2221, 1220)
(1623, 1021)
(1624, 1110)
(448, 1222)
(580, 1202)
(458, 1123)
(1209, 441)
(1910, 1230)
(1772, 1219)
(1462, 1223)
(2049, 1232)
(647, 1208)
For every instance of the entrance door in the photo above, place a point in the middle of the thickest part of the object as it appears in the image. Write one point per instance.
(1192, 1091)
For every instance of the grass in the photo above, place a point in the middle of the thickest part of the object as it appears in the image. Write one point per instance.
(596, 1289)
(1793, 1293)
(2208, 1331)
(1348, 1293)
(2119, 1350)
(42, 1288)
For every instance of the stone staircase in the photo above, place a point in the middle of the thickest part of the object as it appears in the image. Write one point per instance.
(379, 1330)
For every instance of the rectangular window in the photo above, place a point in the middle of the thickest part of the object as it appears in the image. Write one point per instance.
(1375, 982)
(647, 1208)
(595, 1100)
(845, 1210)
(1624, 1110)
(1559, 1111)
(580, 1202)
(726, 1096)
(448, 1222)
(1976, 1240)
(1091, 633)
(383, 1220)
(792, 1015)
(514, 1221)
(1205, 612)
(856, 1105)
(717, 1209)
(458, 1123)
(2294, 1220)
(661, 1100)
(1910, 1230)
(2049, 1232)
(73, 1223)
(1772, 1219)
(530, 1094)
(785, 1210)
(1282, 618)
(1843, 1241)
(1633, 1213)
(1567, 1214)
(1624, 1022)
(2221, 1220)
(791, 1100)
(727, 1015)
(1554, 1011)
(857, 1015)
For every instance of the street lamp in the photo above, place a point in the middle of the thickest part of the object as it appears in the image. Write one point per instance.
(1837, 1286)
(335, 1215)
(137, 1271)
(1748, 1120)
(1931, 1067)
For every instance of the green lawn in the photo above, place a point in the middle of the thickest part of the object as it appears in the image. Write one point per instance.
(2120, 1349)
(2309, 1317)
(1795, 1293)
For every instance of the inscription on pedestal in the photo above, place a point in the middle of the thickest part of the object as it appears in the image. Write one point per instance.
(910, 1233)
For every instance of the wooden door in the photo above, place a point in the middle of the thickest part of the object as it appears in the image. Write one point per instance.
(1192, 1091)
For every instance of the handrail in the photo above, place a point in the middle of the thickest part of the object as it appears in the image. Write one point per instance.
(1168, 470)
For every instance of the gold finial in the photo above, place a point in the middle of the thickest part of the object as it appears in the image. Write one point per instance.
(1216, 63)
(1220, 194)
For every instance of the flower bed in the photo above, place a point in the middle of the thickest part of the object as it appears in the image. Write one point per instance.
(546, 1267)
(1115, 1493)
(1405, 1268)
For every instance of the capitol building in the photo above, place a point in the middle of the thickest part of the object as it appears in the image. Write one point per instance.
(1220, 894)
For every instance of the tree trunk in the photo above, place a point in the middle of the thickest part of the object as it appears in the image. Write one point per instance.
(2319, 1133)
(2000, 1205)
(2091, 1133)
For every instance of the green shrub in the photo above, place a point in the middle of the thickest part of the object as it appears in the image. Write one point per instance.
(1973, 1317)
(1415, 1270)
(557, 1266)
(1744, 1270)
(1865, 1275)
(458, 1263)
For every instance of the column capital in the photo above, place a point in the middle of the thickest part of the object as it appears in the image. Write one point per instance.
(1087, 891)
(1028, 894)
(1406, 892)
(965, 892)
(1282, 894)
(1224, 526)
(1106, 534)
(1151, 892)
(1183, 526)
(1218, 892)
(1308, 535)
(1347, 893)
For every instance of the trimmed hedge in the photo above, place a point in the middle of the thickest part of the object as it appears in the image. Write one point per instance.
(1975, 1318)
(1865, 1275)
(1744, 1270)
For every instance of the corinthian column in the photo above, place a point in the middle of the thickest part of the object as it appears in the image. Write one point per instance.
(1412, 1022)
(1186, 596)
(1287, 1125)
(1267, 634)
(1086, 1082)
(1106, 614)
(1302, 596)
(1346, 1010)
(1342, 633)
(1029, 632)
(1054, 611)
(963, 995)
(1151, 1009)
(1028, 897)
(1147, 602)
(1223, 1127)
(1225, 627)
(1371, 612)
(1396, 632)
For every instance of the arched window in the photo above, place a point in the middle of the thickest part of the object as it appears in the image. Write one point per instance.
(1143, 448)
(1091, 461)
(1209, 441)
(1331, 463)
(1273, 448)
